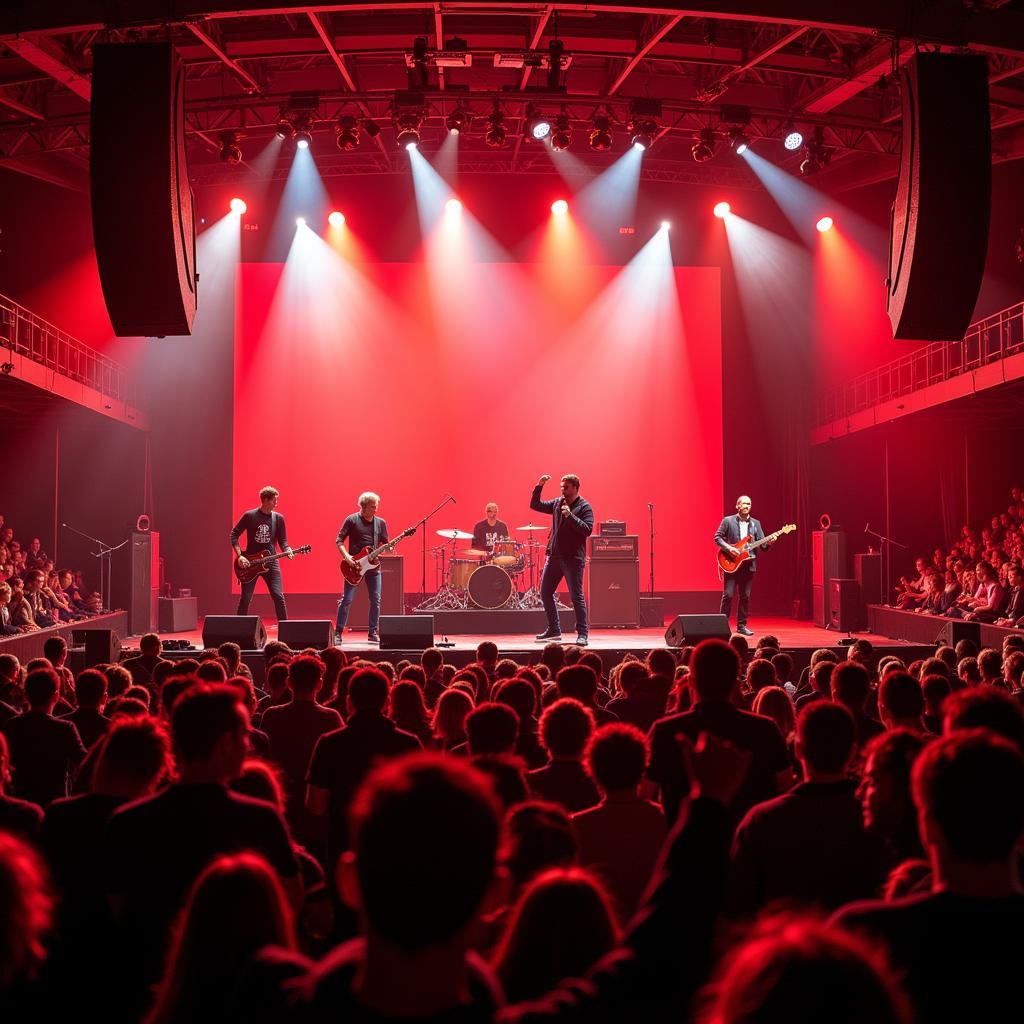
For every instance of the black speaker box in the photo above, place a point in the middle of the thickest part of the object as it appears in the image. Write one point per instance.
(245, 630)
(142, 205)
(406, 632)
(845, 605)
(102, 646)
(299, 633)
(828, 561)
(956, 630)
(940, 219)
(867, 571)
(691, 629)
(178, 614)
(614, 593)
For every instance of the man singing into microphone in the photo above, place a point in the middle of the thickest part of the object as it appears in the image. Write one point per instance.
(572, 520)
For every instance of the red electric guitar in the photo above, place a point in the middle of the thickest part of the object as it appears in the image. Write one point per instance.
(730, 563)
(366, 559)
(259, 564)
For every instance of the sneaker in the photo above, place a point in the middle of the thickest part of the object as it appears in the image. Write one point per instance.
(373, 638)
(744, 630)
(582, 641)
(549, 634)
(337, 638)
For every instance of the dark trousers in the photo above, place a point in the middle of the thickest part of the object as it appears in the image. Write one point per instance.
(273, 578)
(570, 569)
(742, 579)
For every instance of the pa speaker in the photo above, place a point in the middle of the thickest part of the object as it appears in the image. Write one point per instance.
(844, 605)
(299, 633)
(102, 646)
(245, 630)
(867, 570)
(614, 593)
(142, 212)
(956, 630)
(691, 629)
(940, 219)
(406, 632)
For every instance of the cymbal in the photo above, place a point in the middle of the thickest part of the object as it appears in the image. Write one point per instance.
(454, 534)
(530, 526)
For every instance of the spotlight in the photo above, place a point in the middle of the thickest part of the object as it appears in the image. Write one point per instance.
(285, 130)
(824, 224)
(336, 218)
(739, 141)
(346, 134)
(409, 139)
(818, 154)
(453, 207)
(496, 136)
(721, 209)
(229, 151)
(793, 140)
(457, 121)
(561, 137)
(238, 206)
(644, 121)
(600, 139)
(665, 225)
(537, 127)
(704, 148)
(300, 222)
(303, 139)
(559, 207)
(643, 133)
(407, 129)
(303, 129)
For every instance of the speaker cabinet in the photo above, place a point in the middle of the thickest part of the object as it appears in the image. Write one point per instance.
(955, 630)
(940, 219)
(245, 630)
(300, 633)
(392, 594)
(102, 646)
(828, 561)
(142, 205)
(691, 629)
(406, 632)
(614, 593)
(178, 614)
(819, 606)
(844, 605)
(867, 571)
(136, 575)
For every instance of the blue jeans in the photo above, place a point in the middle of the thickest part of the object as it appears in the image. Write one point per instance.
(372, 583)
(571, 569)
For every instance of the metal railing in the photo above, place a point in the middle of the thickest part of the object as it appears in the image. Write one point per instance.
(986, 341)
(24, 333)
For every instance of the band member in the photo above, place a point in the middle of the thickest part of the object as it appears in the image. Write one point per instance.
(734, 529)
(489, 530)
(264, 528)
(572, 520)
(362, 529)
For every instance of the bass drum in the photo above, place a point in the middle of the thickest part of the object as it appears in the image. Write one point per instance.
(490, 587)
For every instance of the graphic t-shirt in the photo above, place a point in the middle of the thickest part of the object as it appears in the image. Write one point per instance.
(263, 530)
(484, 535)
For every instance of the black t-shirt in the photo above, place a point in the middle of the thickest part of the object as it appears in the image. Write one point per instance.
(44, 753)
(19, 817)
(484, 535)
(359, 533)
(90, 723)
(263, 530)
(565, 782)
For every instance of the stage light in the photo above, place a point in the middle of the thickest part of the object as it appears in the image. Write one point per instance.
(336, 218)
(457, 121)
(408, 139)
(665, 225)
(561, 137)
(644, 121)
(238, 206)
(229, 150)
(300, 222)
(825, 224)
(818, 154)
(739, 141)
(794, 140)
(721, 209)
(407, 128)
(600, 139)
(453, 207)
(559, 207)
(285, 129)
(303, 139)
(704, 147)
(346, 134)
(537, 127)
(496, 136)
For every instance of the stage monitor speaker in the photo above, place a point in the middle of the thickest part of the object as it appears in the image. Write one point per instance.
(867, 571)
(300, 633)
(392, 593)
(245, 630)
(102, 646)
(691, 629)
(954, 631)
(177, 614)
(614, 593)
(142, 204)
(845, 605)
(940, 219)
(406, 632)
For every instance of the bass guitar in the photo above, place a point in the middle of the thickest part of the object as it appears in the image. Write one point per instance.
(730, 563)
(260, 563)
(367, 559)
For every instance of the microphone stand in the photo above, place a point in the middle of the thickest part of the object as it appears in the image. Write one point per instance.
(104, 553)
(423, 523)
(650, 510)
(886, 557)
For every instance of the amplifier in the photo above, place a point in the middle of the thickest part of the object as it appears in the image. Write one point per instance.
(612, 528)
(614, 593)
(625, 547)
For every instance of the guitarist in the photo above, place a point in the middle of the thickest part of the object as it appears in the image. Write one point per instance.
(362, 529)
(733, 529)
(265, 528)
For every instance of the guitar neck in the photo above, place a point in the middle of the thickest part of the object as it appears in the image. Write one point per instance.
(267, 558)
(388, 545)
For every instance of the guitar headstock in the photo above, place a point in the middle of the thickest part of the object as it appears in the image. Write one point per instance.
(788, 528)
(304, 550)
(407, 533)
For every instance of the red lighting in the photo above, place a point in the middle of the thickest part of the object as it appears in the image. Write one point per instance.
(721, 209)
(238, 206)
(336, 218)
(559, 207)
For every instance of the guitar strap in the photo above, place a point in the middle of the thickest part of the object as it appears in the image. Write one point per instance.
(376, 530)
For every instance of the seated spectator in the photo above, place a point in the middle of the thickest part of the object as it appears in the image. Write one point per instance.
(145, 664)
(491, 728)
(20, 609)
(409, 712)
(935, 689)
(900, 704)
(18, 817)
(714, 673)
(760, 674)
(579, 682)
(989, 599)
(969, 925)
(851, 687)
(1013, 670)
(988, 708)
(910, 593)
(884, 792)
(538, 835)
(44, 751)
(967, 671)
(1013, 613)
(450, 714)
(773, 702)
(783, 665)
(487, 658)
(809, 846)
(562, 925)
(565, 729)
(42, 610)
(344, 757)
(821, 683)
(620, 839)
(35, 556)
(71, 590)
(277, 688)
(553, 656)
(7, 627)
(235, 908)
(90, 696)
(432, 663)
(521, 696)
(990, 667)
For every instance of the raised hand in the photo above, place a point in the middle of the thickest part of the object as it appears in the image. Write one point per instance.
(543, 480)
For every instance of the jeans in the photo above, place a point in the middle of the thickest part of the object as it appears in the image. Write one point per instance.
(372, 581)
(743, 578)
(571, 569)
(273, 578)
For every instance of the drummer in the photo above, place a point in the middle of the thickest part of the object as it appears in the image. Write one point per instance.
(489, 531)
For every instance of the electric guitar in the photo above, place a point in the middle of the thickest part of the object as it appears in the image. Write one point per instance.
(259, 564)
(730, 563)
(366, 560)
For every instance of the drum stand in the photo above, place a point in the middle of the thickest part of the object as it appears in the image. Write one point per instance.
(447, 598)
(531, 600)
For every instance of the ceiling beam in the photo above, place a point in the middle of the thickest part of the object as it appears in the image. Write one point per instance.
(538, 34)
(439, 42)
(7, 100)
(45, 55)
(50, 168)
(868, 70)
(204, 37)
(762, 55)
(644, 49)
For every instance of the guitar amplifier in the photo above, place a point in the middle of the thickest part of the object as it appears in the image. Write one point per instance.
(624, 547)
(614, 586)
(612, 528)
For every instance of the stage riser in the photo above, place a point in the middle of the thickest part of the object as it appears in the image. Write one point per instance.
(27, 646)
(496, 623)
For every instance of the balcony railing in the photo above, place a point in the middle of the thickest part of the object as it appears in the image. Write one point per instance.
(986, 341)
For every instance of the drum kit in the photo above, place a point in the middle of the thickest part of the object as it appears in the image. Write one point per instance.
(476, 578)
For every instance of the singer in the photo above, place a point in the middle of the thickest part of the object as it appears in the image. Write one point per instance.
(572, 521)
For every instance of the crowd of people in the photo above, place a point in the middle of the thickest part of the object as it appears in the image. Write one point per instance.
(34, 594)
(701, 835)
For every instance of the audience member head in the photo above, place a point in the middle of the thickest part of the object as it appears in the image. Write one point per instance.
(487, 654)
(965, 649)
(739, 644)
(900, 704)
(277, 679)
(968, 672)
(578, 682)
(783, 664)
(520, 695)
(210, 730)
(935, 689)
(368, 692)
(538, 836)
(553, 656)
(631, 677)
(760, 673)
(151, 646)
(450, 713)
(661, 662)
(986, 707)
(617, 757)
(565, 728)
(885, 786)
(41, 688)
(714, 670)
(506, 668)
(825, 741)
(947, 656)
(212, 670)
(850, 684)
(134, 758)
(305, 674)
(1013, 669)
(773, 702)
(55, 650)
(821, 676)
(990, 665)
(415, 674)
(91, 689)
(492, 728)
(262, 781)
(408, 709)
(431, 660)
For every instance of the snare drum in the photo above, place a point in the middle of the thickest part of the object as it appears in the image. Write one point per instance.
(504, 553)
(490, 587)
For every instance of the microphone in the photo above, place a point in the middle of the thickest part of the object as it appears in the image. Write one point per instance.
(650, 504)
